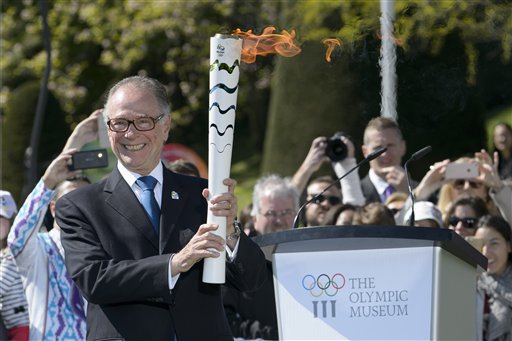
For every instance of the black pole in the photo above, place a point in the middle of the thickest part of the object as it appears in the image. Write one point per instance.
(31, 152)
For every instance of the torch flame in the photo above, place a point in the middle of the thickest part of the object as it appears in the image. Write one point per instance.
(331, 44)
(398, 42)
(267, 43)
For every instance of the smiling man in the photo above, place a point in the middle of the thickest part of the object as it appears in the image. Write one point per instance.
(135, 241)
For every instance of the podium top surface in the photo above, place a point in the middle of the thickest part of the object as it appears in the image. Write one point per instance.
(370, 237)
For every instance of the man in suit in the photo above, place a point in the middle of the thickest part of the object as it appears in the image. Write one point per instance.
(137, 256)
(386, 175)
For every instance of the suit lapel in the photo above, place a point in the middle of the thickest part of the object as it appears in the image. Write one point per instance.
(174, 198)
(123, 200)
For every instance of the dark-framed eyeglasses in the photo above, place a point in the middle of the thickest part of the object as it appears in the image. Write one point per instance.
(460, 183)
(120, 125)
(271, 214)
(467, 222)
(333, 200)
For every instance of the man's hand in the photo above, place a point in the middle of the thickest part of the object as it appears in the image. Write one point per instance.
(395, 176)
(313, 161)
(203, 244)
(225, 205)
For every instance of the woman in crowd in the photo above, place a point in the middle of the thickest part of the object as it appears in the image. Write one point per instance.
(463, 214)
(495, 285)
(487, 185)
(502, 139)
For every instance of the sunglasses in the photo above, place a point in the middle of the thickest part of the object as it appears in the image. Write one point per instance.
(469, 223)
(333, 200)
(460, 183)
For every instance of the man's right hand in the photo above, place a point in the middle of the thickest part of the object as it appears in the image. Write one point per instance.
(203, 244)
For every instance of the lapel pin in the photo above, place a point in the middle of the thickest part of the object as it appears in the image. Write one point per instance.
(174, 195)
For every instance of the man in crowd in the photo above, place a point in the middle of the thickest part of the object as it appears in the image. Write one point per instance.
(350, 192)
(252, 315)
(386, 175)
(135, 241)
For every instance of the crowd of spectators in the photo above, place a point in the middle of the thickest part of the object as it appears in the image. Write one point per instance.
(39, 300)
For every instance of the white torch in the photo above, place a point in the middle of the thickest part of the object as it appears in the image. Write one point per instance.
(225, 51)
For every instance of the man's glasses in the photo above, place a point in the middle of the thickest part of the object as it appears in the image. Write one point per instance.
(460, 183)
(469, 223)
(333, 200)
(271, 214)
(120, 125)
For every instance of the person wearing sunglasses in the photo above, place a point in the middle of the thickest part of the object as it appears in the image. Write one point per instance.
(487, 185)
(316, 210)
(463, 215)
(317, 156)
(494, 287)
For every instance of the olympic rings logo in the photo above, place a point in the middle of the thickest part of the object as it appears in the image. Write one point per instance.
(323, 284)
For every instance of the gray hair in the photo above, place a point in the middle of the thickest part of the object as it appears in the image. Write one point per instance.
(274, 186)
(146, 83)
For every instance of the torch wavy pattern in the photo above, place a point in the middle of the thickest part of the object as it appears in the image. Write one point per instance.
(220, 110)
(224, 66)
(218, 132)
(224, 87)
(223, 149)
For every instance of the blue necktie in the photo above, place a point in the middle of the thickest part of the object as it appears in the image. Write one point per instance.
(148, 183)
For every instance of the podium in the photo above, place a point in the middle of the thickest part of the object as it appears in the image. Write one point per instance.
(373, 283)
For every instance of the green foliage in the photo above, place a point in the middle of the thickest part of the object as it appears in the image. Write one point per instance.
(95, 43)
(16, 133)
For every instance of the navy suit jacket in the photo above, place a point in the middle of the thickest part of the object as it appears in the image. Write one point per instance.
(121, 267)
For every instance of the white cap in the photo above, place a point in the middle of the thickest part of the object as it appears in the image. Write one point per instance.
(425, 210)
(8, 206)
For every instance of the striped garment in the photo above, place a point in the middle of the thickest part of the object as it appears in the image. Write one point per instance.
(13, 304)
(55, 306)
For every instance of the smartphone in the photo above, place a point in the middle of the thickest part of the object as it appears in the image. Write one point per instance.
(97, 158)
(464, 170)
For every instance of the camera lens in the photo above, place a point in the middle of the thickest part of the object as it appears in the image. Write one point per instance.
(336, 150)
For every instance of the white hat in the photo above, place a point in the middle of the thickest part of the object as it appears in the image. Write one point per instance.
(424, 210)
(8, 206)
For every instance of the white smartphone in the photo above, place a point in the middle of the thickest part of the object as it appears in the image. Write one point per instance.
(102, 133)
(464, 170)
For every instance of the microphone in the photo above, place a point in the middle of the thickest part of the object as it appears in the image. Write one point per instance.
(415, 156)
(370, 157)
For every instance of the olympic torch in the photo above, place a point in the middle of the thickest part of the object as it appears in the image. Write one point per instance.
(225, 53)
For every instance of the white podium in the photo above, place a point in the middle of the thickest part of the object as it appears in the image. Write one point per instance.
(373, 283)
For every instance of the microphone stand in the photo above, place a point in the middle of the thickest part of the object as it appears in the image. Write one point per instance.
(418, 155)
(369, 158)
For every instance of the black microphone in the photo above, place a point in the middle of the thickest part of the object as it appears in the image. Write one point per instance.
(370, 157)
(416, 156)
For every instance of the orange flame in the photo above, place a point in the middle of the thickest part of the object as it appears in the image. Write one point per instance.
(398, 42)
(331, 44)
(267, 43)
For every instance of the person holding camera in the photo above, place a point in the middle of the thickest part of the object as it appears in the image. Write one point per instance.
(56, 308)
(340, 151)
(386, 174)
